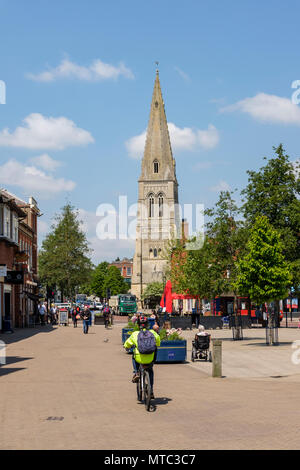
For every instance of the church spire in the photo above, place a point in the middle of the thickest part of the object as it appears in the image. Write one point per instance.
(158, 162)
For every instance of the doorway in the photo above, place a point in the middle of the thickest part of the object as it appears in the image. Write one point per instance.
(7, 296)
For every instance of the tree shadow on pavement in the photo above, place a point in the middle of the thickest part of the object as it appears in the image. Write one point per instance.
(246, 338)
(263, 344)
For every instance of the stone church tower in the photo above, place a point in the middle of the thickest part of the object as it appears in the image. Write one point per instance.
(157, 220)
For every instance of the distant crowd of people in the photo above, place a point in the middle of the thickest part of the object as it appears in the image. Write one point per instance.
(78, 312)
(46, 316)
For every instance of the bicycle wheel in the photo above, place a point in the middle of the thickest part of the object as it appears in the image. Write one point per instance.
(139, 389)
(147, 390)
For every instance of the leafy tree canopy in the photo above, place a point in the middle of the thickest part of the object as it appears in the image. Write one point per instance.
(64, 257)
(274, 192)
(154, 289)
(97, 286)
(115, 282)
(263, 272)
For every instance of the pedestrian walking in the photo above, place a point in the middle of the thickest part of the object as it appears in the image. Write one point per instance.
(106, 314)
(53, 312)
(42, 313)
(86, 315)
(74, 314)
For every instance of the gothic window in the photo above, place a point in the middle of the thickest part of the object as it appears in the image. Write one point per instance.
(160, 205)
(155, 253)
(151, 205)
(155, 166)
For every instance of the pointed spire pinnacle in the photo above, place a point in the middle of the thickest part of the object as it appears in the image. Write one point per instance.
(158, 146)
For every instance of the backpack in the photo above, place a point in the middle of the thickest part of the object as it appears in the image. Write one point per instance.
(146, 342)
(106, 310)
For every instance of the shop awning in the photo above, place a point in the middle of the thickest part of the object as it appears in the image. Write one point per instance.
(32, 296)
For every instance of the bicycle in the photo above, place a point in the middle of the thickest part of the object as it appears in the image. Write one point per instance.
(143, 386)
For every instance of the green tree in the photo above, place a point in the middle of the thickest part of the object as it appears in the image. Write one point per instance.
(97, 284)
(263, 272)
(175, 252)
(210, 271)
(115, 282)
(274, 192)
(64, 257)
(154, 289)
(227, 237)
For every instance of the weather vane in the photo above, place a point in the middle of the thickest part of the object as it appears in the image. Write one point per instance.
(157, 63)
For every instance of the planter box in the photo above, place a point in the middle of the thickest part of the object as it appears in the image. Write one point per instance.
(211, 322)
(171, 351)
(181, 322)
(125, 333)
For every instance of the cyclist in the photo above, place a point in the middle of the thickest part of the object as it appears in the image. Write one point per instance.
(106, 314)
(137, 357)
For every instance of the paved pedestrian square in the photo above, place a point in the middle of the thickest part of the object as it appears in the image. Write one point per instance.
(61, 389)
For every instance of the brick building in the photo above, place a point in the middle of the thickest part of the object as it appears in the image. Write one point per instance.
(18, 255)
(125, 267)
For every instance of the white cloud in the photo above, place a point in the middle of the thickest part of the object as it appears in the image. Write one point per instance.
(268, 108)
(98, 70)
(32, 180)
(41, 132)
(46, 162)
(135, 145)
(209, 138)
(221, 186)
(181, 139)
(43, 227)
(103, 249)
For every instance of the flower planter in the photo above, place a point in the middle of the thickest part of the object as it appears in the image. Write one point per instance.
(171, 351)
(98, 320)
(125, 334)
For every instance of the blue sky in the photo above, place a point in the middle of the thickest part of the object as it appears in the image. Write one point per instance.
(79, 78)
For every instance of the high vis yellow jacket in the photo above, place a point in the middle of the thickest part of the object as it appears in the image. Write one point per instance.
(132, 341)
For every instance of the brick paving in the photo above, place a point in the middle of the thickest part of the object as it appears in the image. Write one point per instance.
(61, 389)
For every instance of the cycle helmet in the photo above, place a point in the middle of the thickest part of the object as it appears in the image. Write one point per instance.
(143, 321)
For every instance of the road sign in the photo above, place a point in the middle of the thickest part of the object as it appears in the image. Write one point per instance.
(63, 317)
